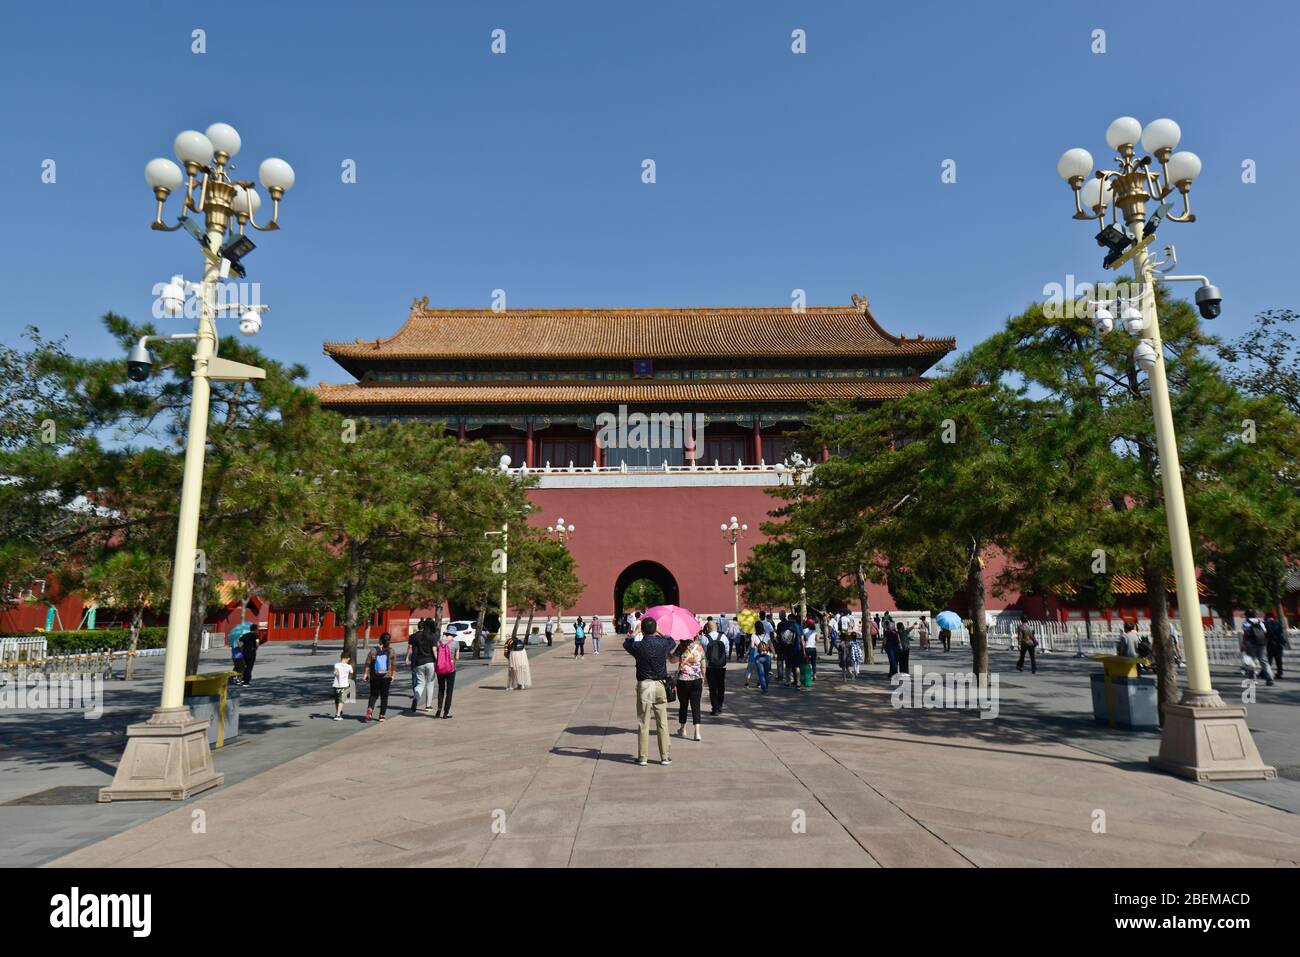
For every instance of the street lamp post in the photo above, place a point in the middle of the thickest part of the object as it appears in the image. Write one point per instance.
(167, 757)
(733, 533)
(563, 533)
(1202, 738)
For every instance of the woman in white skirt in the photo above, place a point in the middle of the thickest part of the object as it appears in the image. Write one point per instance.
(518, 675)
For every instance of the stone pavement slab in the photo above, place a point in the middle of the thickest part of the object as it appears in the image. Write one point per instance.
(830, 777)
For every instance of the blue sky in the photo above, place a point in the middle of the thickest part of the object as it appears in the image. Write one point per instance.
(522, 171)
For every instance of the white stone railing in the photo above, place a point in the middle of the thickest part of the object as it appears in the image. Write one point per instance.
(777, 468)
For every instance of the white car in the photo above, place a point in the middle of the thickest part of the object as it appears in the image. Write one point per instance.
(462, 631)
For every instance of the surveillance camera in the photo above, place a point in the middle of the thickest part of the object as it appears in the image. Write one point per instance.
(139, 364)
(250, 323)
(1102, 325)
(1209, 300)
(1145, 355)
(173, 297)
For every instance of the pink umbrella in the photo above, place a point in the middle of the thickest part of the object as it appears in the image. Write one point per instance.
(677, 623)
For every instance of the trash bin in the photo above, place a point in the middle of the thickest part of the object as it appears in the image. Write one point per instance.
(212, 696)
(1122, 698)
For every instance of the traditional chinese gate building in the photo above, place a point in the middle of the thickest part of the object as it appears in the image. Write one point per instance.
(535, 381)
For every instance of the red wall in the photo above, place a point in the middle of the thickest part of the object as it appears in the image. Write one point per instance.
(676, 527)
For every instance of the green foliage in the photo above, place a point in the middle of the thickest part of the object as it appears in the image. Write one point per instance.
(643, 593)
(101, 639)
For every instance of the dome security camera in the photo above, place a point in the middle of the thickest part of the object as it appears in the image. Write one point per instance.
(139, 364)
(1209, 301)
(250, 323)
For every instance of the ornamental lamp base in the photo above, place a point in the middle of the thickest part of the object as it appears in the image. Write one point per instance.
(1206, 740)
(166, 759)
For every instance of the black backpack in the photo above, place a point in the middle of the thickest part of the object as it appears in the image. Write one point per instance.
(715, 653)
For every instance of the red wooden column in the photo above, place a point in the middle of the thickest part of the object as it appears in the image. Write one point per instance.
(460, 431)
(758, 442)
(530, 453)
(826, 454)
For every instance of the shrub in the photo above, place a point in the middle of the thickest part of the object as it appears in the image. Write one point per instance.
(99, 639)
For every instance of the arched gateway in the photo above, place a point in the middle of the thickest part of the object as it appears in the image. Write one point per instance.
(652, 571)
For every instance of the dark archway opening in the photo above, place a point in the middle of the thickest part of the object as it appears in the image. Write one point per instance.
(650, 571)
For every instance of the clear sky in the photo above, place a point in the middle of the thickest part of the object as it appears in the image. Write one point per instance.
(523, 171)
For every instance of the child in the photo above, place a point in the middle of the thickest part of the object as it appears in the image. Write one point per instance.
(342, 680)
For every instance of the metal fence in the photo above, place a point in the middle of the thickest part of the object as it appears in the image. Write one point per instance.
(1223, 647)
(71, 663)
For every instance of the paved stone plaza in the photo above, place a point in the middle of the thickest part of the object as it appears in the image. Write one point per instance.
(546, 777)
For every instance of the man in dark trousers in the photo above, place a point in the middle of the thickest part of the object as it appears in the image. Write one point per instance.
(248, 644)
(716, 654)
(651, 651)
(1276, 642)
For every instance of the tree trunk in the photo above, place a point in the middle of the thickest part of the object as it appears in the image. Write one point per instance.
(137, 618)
(528, 629)
(1162, 648)
(979, 647)
(351, 600)
(315, 637)
(478, 628)
(865, 602)
(198, 614)
(514, 632)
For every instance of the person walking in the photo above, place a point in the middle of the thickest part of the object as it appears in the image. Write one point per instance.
(448, 653)
(1028, 642)
(856, 653)
(717, 651)
(945, 639)
(1276, 642)
(1254, 645)
(580, 638)
(751, 654)
(420, 654)
(876, 631)
(810, 650)
(904, 652)
(689, 658)
(597, 630)
(762, 663)
(380, 668)
(786, 632)
(891, 645)
(342, 681)
(651, 650)
(1127, 646)
(518, 675)
(248, 643)
(550, 630)
(923, 630)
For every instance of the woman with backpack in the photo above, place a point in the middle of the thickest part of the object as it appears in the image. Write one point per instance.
(444, 666)
(518, 674)
(580, 638)
(689, 658)
(379, 671)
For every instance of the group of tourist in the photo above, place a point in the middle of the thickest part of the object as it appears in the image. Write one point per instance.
(429, 657)
(781, 647)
